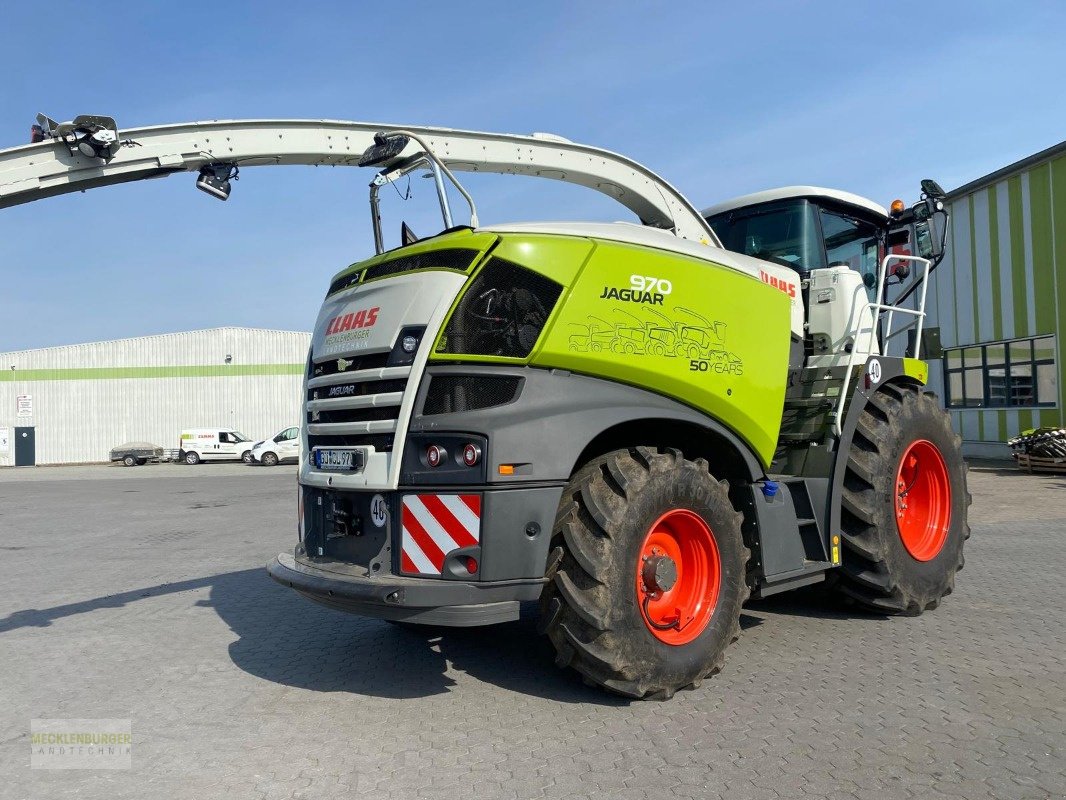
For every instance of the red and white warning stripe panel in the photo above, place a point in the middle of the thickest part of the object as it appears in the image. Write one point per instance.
(433, 526)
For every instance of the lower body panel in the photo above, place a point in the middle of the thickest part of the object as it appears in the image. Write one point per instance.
(479, 551)
(423, 600)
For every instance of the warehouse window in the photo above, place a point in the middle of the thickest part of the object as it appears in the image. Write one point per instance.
(1002, 374)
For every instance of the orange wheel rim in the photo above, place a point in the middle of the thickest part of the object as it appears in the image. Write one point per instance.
(679, 575)
(923, 500)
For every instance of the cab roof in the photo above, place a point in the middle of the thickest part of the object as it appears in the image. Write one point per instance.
(790, 192)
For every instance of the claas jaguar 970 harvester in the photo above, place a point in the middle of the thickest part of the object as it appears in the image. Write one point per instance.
(636, 425)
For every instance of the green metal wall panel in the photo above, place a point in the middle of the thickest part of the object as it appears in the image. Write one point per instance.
(1001, 280)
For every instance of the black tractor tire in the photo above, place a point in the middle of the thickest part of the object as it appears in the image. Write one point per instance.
(878, 573)
(129, 460)
(269, 459)
(590, 608)
(192, 458)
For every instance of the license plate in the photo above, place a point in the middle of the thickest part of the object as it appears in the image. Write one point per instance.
(340, 460)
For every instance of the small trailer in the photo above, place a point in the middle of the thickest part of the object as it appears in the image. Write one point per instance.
(135, 454)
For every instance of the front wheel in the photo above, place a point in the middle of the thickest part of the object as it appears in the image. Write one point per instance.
(270, 459)
(246, 457)
(904, 505)
(648, 573)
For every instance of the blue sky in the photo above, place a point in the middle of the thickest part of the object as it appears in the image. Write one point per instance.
(721, 99)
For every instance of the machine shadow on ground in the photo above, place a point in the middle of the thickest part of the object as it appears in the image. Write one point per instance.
(290, 641)
(287, 639)
(816, 602)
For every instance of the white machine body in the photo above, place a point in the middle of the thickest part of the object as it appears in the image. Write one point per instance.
(839, 319)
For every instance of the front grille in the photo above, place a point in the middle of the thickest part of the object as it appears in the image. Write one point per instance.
(351, 365)
(452, 393)
(457, 258)
(353, 414)
(502, 312)
(356, 389)
(355, 407)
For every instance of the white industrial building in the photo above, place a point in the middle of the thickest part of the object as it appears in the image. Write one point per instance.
(72, 404)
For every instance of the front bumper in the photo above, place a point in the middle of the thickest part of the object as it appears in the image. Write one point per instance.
(424, 600)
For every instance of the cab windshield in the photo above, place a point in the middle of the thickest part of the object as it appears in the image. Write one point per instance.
(784, 233)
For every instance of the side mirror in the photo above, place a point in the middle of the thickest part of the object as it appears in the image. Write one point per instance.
(925, 240)
(928, 220)
(930, 229)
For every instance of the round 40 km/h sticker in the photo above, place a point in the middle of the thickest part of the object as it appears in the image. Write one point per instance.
(875, 371)
(378, 511)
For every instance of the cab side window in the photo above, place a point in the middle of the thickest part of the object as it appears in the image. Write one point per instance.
(225, 438)
(851, 242)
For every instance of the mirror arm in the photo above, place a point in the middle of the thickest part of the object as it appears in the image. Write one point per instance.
(442, 193)
(936, 261)
(375, 217)
(910, 289)
(443, 168)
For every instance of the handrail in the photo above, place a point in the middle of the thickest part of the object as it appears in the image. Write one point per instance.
(876, 309)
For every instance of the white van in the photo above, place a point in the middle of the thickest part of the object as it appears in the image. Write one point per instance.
(214, 444)
(285, 446)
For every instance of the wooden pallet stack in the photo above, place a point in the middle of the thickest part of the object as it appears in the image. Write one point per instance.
(1033, 464)
(1040, 450)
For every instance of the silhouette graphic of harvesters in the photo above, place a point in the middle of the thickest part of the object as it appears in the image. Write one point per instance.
(691, 336)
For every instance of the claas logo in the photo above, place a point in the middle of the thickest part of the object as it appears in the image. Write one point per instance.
(778, 283)
(363, 318)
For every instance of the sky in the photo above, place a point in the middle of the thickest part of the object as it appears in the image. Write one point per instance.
(720, 99)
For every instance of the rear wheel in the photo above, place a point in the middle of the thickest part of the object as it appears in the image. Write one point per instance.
(129, 460)
(192, 458)
(904, 505)
(647, 571)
